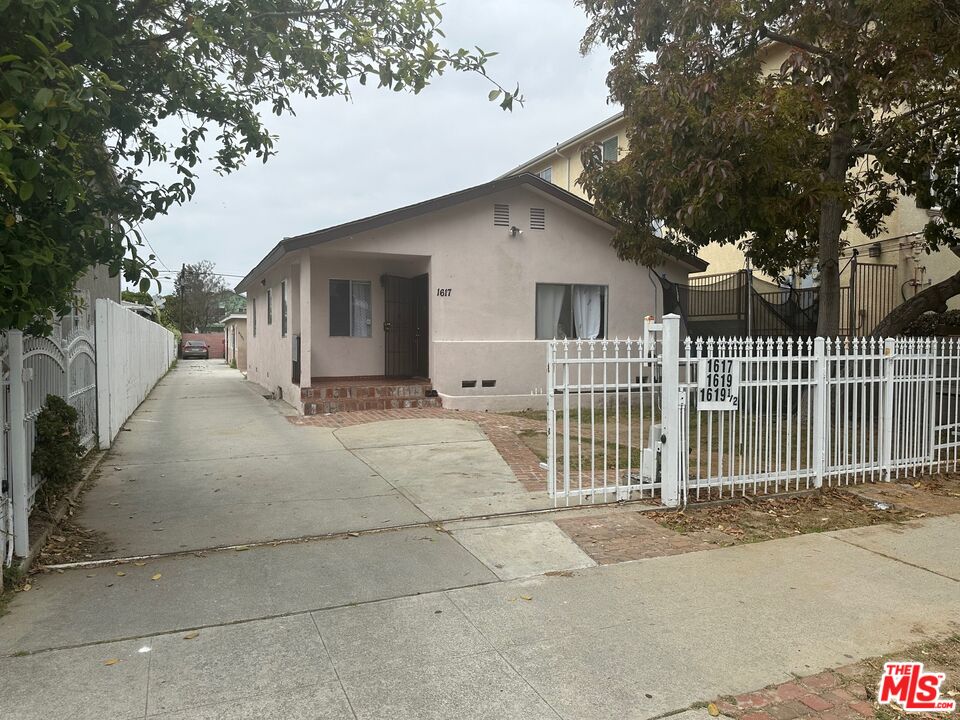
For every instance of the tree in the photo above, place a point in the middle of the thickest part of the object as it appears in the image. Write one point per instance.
(865, 110)
(196, 302)
(88, 90)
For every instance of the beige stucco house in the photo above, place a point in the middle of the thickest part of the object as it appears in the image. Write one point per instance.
(462, 290)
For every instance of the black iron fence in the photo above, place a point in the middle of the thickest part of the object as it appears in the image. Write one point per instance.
(738, 304)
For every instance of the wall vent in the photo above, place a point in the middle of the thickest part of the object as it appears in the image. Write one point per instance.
(538, 219)
(488, 383)
(501, 215)
(468, 383)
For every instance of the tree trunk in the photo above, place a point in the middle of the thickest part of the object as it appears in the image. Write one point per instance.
(831, 225)
(933, 298)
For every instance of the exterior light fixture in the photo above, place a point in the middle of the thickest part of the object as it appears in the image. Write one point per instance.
(515, 231)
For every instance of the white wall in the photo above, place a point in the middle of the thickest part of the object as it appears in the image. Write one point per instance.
(133, 353)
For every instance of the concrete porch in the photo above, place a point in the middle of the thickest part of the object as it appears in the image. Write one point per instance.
(371, 392)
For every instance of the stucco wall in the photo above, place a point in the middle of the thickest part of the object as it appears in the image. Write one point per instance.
(236, 350)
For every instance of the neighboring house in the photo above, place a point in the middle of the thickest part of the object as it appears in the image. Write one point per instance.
(235, 340)
(463, 290)
(899, 245)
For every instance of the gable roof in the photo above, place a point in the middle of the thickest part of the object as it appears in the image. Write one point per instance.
(374, 222)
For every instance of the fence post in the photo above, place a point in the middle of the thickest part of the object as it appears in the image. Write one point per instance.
(670, 400)
(819, 410)
(102, 351)
(886, 439)
(551, 426)
(19, 482)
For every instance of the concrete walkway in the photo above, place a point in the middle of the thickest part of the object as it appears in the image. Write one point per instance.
(207, 462)
(440, 620)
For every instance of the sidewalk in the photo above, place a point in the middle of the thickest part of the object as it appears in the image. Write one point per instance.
(633, 640)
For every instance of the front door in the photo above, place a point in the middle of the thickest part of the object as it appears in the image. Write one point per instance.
(405, 318)
(421, 320)
(398, 326)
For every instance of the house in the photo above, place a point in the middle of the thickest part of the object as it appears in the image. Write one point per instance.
(459, 293)
(906, 268)
(235, 340)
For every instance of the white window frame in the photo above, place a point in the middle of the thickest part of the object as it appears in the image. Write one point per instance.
(616, 139)
(546, 174)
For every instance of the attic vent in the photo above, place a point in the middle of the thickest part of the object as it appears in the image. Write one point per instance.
(501, 215)
(538, 219)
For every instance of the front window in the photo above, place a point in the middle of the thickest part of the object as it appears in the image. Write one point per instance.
(571, 311)
(350, 308)
(611, 149)
(269, 306)
(283, 308)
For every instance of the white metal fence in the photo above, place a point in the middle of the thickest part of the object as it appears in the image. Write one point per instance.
(103, 372)
(712, 417)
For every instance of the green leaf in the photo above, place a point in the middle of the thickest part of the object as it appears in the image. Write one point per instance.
(26, 191)
(8, 109)
(9, 58)
(42, 98)
(494, 94)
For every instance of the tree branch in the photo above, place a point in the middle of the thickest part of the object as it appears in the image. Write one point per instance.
(794, 42)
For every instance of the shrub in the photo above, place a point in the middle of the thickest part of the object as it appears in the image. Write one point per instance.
(56, 455)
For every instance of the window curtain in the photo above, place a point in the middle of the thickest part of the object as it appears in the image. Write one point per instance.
(587, 310)
(360, 318)
(549, 305)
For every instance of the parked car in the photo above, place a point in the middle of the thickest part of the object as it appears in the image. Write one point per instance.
(195, 349)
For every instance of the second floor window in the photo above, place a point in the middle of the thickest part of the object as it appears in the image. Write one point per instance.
(611, 149)
(546, 174)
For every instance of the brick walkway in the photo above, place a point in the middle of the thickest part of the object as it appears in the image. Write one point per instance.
(621, 536)
(501, 430)
(832, 695)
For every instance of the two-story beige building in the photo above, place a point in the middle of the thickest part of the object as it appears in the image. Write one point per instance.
(907, 270)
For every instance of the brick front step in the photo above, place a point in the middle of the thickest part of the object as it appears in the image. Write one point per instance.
(352, 396)
(324, 407)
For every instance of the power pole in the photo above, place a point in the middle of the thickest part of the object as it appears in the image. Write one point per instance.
(183, 276)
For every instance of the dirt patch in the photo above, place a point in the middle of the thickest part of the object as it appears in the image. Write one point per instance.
(849, 691)
(70, 542)
(757, 519)
(619, 536)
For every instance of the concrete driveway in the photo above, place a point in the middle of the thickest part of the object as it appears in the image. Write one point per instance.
(207, 461)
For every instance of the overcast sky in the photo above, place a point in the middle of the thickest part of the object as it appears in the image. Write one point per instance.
(342, 160)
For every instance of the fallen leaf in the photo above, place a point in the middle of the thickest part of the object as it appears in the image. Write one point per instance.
(157, 576)
(139, 564)
(120, 573)
(713, 710)
(191, 635)
(27, 587)
(111, 661)
(354, 534)
(241, 548)
(526, 597)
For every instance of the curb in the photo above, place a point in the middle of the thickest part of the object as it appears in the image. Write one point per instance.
(61, 510)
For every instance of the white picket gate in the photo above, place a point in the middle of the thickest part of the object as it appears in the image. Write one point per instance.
(708, 418)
